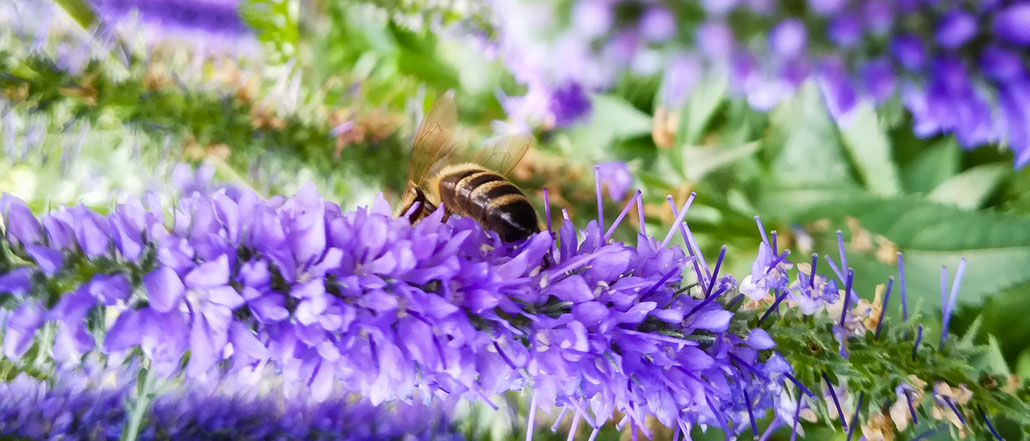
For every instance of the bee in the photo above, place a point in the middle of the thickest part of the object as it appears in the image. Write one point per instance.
(478, 189)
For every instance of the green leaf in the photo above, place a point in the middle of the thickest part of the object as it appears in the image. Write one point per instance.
(871, 150)
(610, 119)
(80, 11)
(275, 23)
(701, 107)
(810, 150)
(934, 166)
(969, 189)
(995, 360)
(1023, 364)
(699, 161)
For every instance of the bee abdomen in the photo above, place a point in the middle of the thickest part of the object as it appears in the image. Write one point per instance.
(511, 216)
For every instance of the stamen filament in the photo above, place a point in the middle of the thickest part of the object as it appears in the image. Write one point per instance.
(847, 296)
(951, 404)
(840, 248)
(559, 419)
(988, 423)
(531, 423)
(811, 277)
(625, 211)
(574, 428)
(640, 215)
(836, 403)
(715, 274)
(919, 338)
(761, 230)
(952, 298)
(750, 415)
(600, 204)
(547, 212)
(797, 415)
(776, 303)
(904, 296)
(854, 418)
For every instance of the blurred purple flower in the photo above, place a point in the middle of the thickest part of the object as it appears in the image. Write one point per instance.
(657, 24)
(615, 176)
(203, 18)
(955, 29)
(1012, 24)
(83, 405)
(855, 50)
(569, 103)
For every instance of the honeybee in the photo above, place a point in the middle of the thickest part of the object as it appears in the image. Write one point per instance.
(478, 189)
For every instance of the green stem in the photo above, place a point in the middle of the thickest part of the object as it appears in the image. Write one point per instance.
(144, 395)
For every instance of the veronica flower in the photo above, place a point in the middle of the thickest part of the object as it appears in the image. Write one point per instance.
(361, 302)
(393, 312)
(207, 24)
(79, 405)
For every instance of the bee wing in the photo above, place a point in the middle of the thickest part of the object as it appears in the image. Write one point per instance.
(501, 154)
(434, 139)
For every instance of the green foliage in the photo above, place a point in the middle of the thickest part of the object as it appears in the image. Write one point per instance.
(275, 23)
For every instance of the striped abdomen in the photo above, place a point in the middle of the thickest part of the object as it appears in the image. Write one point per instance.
(498, 205)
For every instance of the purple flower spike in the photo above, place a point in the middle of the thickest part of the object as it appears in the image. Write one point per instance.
(360, 302)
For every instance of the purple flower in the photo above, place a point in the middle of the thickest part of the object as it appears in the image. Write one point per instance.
(909, 51)
(361, 302)
(569, 103)
(615, 176)
(787, 39)
(1012, 24)
(17, 282)
(955, 29)
(657, 24)
(591, 17)
(20, 225)
(89, 405)
(21, 328)
(205, 22)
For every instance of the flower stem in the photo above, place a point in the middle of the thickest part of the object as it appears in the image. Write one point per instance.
(144, 396)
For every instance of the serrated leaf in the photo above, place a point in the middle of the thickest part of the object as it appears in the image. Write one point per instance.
(704, 101)
(699, 161)
(810, 150)
(974, 329)
(868, 145)
(969, 189)
(934, 166)
(995, 359)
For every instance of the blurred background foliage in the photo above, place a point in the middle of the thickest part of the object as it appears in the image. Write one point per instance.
(334, 89)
